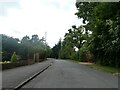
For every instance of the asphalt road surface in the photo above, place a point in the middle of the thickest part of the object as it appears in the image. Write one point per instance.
(13, 77)
(65, 74)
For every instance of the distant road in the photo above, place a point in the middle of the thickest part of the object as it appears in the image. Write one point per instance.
(65, 74)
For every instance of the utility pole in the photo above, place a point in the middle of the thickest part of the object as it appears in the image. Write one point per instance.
(45, 37)
(45, 43)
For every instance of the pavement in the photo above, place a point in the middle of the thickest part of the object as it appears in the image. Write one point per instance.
(65, 74)
(12, 77)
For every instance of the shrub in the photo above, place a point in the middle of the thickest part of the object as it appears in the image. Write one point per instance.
(85, 56)
(14, 57)
(75, 56)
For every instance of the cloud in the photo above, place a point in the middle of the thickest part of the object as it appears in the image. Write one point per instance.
(8, 1)
(17, 32)
(5, 4)
(39, 16)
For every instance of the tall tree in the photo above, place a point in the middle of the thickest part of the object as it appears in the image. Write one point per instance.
(25, 48)
(103, 20)
(56, 50)
(9, 45)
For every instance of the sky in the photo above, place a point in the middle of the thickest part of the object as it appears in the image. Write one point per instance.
(19, 18)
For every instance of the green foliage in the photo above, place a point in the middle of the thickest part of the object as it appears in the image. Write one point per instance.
(85, 54)
(103, 20)
(14, 57)
(56, 50)
(9, 45)
(75, 56)
(66, 52)
(75, 38)
(35, 45)
(24, 48)
(104, 68)
(99, 39)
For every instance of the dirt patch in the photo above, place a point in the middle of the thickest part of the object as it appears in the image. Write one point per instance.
(85, 63)
(116, 74)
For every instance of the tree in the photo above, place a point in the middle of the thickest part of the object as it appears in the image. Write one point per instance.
(56, 50)
(35, 38)
(75, 38)
(103, 20)
(25, 48)
(9, 45)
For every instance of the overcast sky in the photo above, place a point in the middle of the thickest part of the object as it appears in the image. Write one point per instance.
(27, 17)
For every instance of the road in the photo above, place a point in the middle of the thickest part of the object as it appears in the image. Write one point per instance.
(65, 74)
(12, 77)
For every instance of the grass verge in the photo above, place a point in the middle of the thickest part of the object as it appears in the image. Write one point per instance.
(104, 68)
(75, 61)
(109, 69)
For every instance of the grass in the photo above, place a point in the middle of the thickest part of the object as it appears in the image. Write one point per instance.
(75, 61)
(103, 68)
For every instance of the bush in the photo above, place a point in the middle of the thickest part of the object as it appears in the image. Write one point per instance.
(75, 56)
(85, 56)
(14, 57)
